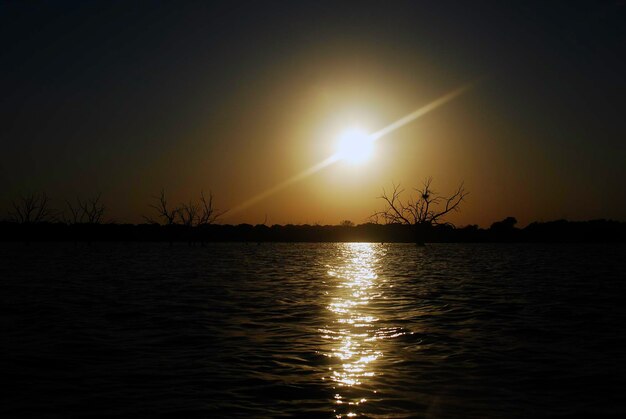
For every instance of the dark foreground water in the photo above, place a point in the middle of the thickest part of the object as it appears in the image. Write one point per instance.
(317, 330)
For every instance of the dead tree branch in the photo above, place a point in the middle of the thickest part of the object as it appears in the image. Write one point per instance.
(76, 214)
(92, 209)
(33, 208)
(427, 208)
(167, 216)
(188, 213)
(208, 213)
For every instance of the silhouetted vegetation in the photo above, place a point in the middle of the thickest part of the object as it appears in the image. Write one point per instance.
(420, 220)
(90, 211)
(165, 214)
(188, 221)
(423, 212)
(33, 208)
(189, 214)
(559, 231)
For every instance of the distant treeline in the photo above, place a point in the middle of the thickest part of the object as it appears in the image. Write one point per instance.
(502, 231)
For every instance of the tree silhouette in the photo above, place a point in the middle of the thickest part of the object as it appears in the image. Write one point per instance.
(426, 209)
(186, 220)
(187, 214)
(89, 211)
(507, 224)
(33, 208)
(76, 215)
(167, 215)
(208, 214)
(198, 214)
(93, 209)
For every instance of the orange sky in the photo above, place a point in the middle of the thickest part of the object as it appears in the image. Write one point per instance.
(238, 98)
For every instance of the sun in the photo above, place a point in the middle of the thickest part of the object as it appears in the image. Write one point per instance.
(355, 146)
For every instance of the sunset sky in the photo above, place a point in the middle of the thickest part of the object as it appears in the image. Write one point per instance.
(236, 97)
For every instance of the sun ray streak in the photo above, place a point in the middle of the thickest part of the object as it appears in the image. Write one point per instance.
(271, 191)
(336, 157)
(422, 111)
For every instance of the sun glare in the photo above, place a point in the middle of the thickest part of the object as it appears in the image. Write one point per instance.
(355, 146)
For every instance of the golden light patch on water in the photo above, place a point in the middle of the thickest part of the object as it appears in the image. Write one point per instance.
(353, 332)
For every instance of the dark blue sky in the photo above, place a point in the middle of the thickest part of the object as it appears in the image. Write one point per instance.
(126, 97)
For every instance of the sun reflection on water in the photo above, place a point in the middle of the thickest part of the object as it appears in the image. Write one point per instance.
(353, 329)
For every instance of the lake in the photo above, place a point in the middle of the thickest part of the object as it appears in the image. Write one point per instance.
(312, 330)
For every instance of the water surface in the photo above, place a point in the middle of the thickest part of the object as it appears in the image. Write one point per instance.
(318, 330)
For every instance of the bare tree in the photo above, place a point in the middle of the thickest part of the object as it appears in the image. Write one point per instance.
(199, 214)
(427, 208)
(33, 208)
(76, 214)
(89, 211)
(209, 214)
(167, 215)
(93, 209)
(188, 214)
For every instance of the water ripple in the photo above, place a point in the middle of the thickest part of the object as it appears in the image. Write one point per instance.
(317, 330)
